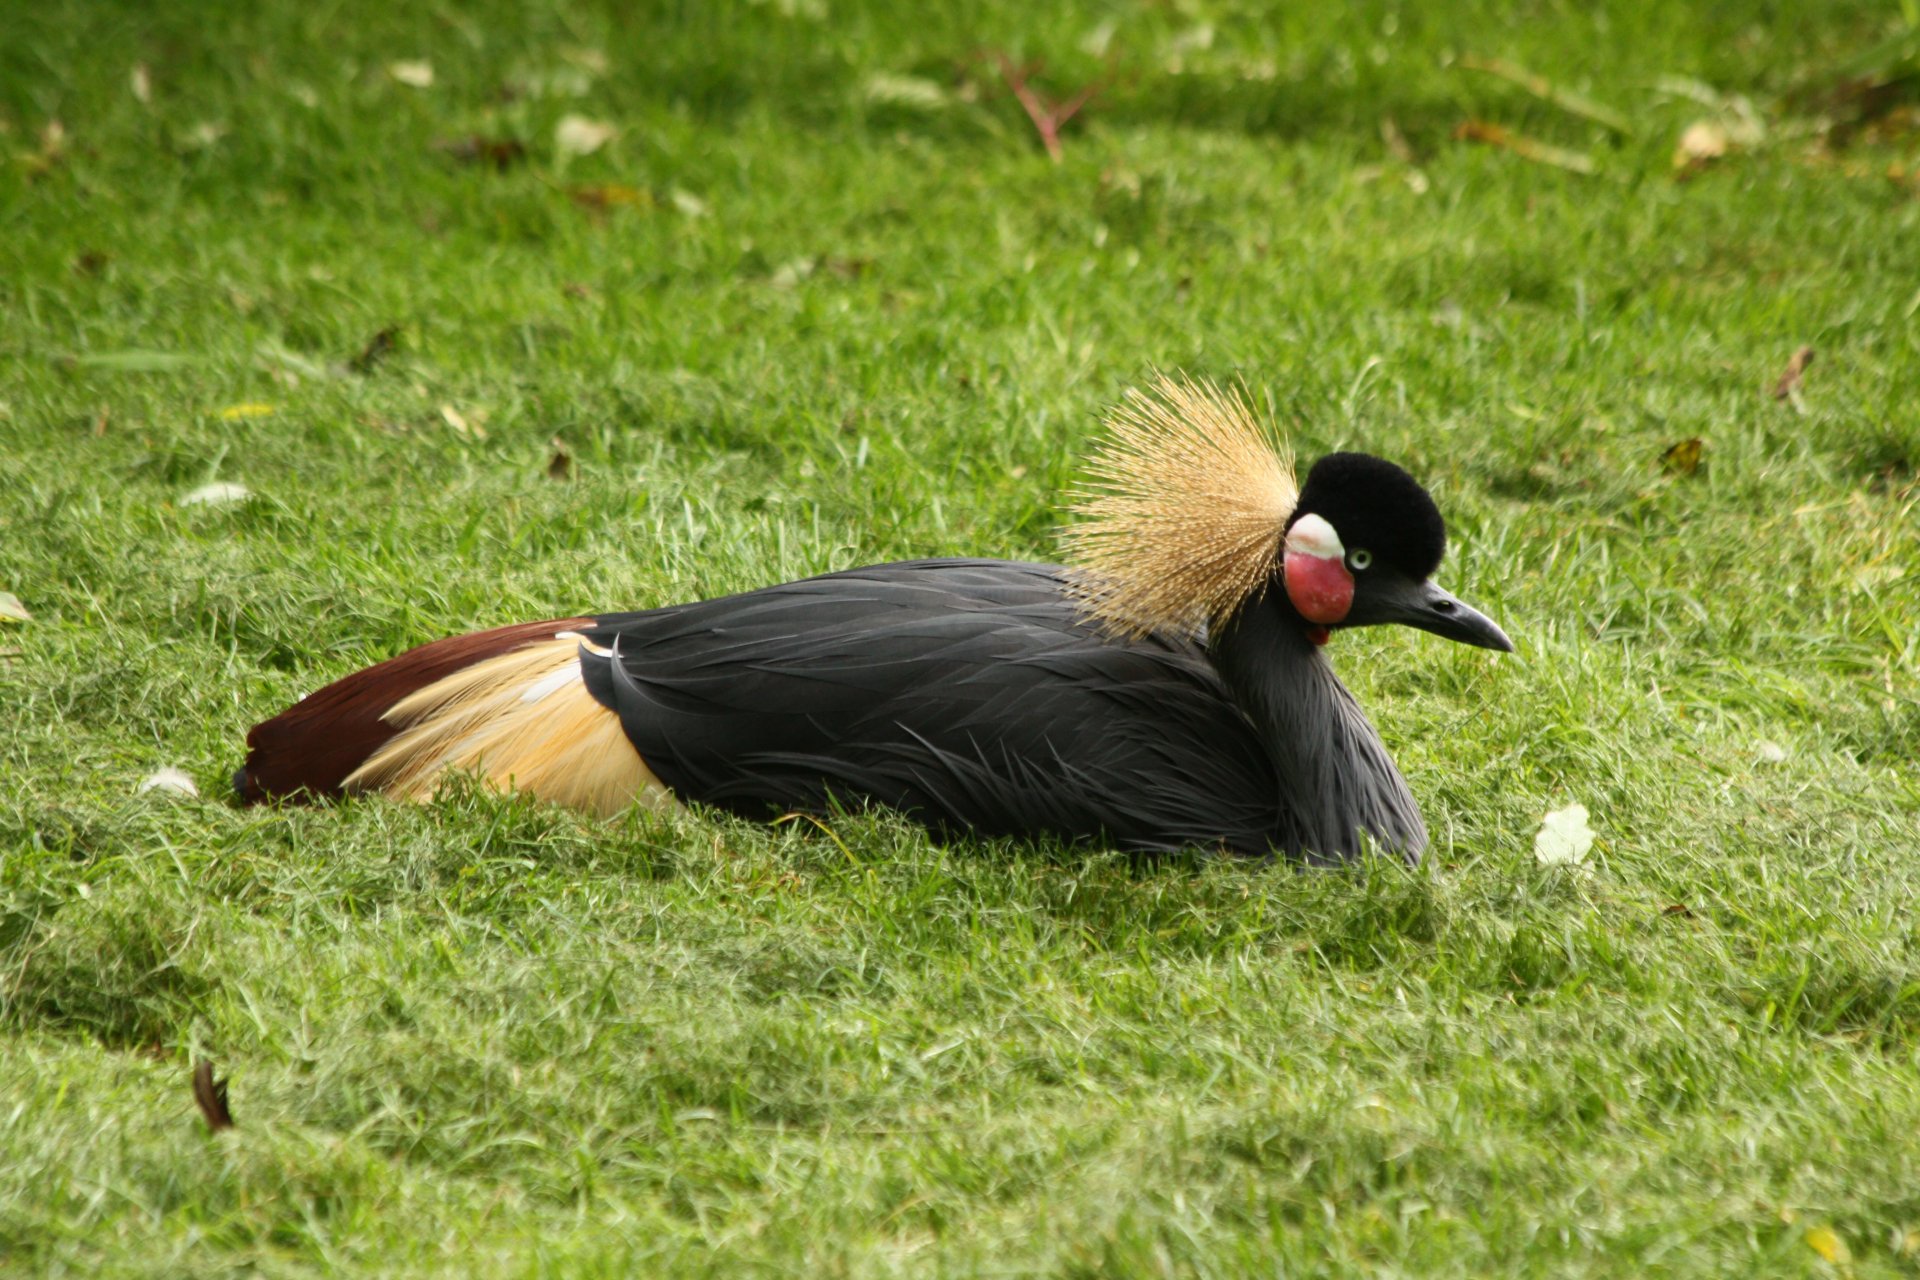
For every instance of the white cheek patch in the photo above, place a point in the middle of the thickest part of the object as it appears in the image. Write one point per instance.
(1311, 535)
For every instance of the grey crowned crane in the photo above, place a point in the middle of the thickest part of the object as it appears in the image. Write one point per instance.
(1168, 689)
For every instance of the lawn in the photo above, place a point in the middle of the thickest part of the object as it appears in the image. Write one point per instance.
(504, 311)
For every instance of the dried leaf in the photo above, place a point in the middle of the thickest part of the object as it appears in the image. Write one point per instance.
(1544, 89)
(1701, 143)
(134, 361)
(460, 423)
(11, 610)
(1683, 459)
(168, 781)
(1770, 752)
(476, 148)
(560, 465)
(1789, 382)
(219, 493)
(905, 91)
(250, 409)
(1493, 135)
(378, 348)
(579, 136)
(141, 82)
(688, 203)
(91, 262)
(1826, 1242)
(1680, 909)
(611, 195)
(1564, 838)
(414, 73)
(211, 1095)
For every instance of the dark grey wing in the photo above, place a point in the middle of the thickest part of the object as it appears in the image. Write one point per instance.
(965, 692)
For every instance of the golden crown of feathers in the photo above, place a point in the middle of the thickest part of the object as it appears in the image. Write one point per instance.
(1184, 505)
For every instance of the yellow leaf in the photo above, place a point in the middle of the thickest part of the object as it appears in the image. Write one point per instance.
(250, 409)
(414, 73)
(1826, 1242)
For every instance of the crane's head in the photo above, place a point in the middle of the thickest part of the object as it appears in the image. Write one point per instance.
(1360, 549)
(1192, 510)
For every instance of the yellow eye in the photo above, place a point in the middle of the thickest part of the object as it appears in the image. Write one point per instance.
(1359, 558)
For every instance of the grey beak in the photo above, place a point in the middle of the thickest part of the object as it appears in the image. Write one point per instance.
(1428, 607)
(1435, 609)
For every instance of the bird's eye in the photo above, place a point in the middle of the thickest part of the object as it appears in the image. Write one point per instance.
(1359, 558)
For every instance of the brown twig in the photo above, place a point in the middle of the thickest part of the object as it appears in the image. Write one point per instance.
(1048, 117)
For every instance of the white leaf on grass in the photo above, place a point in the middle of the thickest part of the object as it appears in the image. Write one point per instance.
(141, 82)
(171, 781)
(414, 73)
(11, 610)
(220, 493)
(579, 136)
(688, 203)
(892, 90)
(1701, 142)
(1564, 837)
(1770, 753)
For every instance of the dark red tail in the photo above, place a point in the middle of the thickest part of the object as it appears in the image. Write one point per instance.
(308, 750)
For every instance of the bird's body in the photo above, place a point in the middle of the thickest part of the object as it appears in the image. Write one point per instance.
(974, 695)
(1191, 708)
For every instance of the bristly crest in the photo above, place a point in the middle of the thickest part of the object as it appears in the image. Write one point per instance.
(1184, 507)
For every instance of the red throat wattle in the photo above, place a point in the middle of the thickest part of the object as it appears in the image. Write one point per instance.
(1317, 580)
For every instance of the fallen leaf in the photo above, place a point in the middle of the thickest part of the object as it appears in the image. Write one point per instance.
(170, 781)
(611, 195)
(241, 412)
(1564, 837)
(91, 262)
(414, 73)
(789, 274)
(476, 148)
(461, 426)
(141, 82)
(1494, 135)
(134, 361)
(560, 465)
(1770, 752)
(1683, 459)
(219, 493)
(211, 1095)
(579, 136)
(1789, 382)
(11, 610)
(378, 348)
(904, 91)
(100, 423)
(1826, 1242)
(688, 203)
(1547, 91)
(205, 134)
(1677, 909)
(1701, 143)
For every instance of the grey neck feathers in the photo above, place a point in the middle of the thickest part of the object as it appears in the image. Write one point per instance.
(1334, 776)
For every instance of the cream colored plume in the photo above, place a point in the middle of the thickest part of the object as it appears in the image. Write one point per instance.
(1183, 505)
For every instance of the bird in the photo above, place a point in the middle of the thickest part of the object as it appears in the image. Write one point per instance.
(1165, 688)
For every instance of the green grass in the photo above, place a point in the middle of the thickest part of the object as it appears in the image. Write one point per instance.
(827, 321)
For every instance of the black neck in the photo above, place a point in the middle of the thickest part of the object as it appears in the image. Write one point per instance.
(1334, 777)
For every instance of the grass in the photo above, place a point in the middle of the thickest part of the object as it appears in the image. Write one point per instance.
(824, 300)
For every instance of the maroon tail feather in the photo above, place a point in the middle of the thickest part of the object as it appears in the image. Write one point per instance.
(307, 751)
